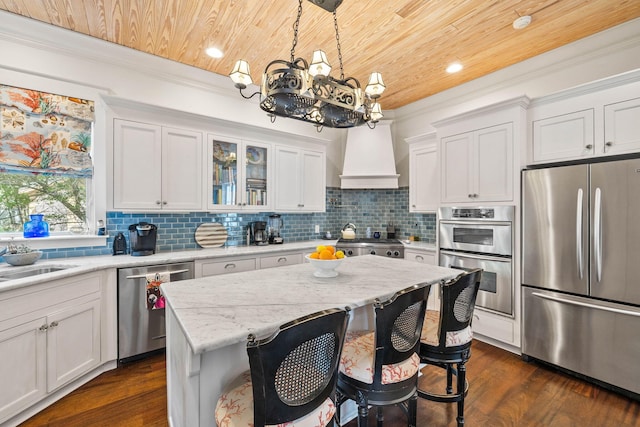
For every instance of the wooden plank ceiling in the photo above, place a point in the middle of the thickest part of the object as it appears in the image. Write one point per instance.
(409, 41)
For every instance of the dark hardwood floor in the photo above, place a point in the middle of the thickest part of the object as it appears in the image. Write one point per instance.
(504, 391)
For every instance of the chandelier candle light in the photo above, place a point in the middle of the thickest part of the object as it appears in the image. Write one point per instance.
(303, 91)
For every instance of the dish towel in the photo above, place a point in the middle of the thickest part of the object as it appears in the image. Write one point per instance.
(155, 299)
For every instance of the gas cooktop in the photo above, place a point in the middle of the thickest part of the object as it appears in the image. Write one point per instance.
(369, 241)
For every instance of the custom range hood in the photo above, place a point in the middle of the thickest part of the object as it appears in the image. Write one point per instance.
(368, 159)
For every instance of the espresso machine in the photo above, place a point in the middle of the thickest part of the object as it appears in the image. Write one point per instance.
(275, 227)
(258, 233)
(142, 238)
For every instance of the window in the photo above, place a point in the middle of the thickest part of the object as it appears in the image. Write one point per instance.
(62, 200)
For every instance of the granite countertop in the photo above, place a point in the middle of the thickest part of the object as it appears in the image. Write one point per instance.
(217, 311)
(79, 265)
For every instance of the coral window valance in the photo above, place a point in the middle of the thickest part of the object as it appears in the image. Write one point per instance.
(44, 133)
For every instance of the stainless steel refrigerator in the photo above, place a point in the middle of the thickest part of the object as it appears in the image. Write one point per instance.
(581, 269)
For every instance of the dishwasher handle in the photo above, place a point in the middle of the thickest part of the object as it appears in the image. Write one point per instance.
(143, 276)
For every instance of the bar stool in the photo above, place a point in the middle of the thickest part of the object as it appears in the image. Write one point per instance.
(292, 376)
(447, 336)
(380, 367)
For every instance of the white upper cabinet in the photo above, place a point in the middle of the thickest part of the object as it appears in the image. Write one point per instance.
(479, 155)
(424, 190)
(478, 165)
(156, 168)
(300, 179)
(239, 174)
(598, 119)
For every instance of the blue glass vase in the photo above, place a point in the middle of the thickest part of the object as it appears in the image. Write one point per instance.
(37, 227)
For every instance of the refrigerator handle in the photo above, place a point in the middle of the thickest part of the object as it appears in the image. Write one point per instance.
(597, 242)
(579, 233)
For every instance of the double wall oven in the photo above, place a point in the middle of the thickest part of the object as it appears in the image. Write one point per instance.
(481, 237)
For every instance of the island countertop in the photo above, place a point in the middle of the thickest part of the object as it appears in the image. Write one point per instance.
(218, 311)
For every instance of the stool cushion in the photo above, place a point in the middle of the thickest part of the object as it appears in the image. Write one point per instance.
(235, 408)
(431, 329)
(356, 360)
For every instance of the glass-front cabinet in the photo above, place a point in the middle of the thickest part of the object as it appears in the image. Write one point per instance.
(239, 174)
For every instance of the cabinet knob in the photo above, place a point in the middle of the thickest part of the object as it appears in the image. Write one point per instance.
(43, 328)
(53, 324)
(470, 196)
(608, 143)
(589, 146)
(413, 206)
(164, 202)
(158, 202)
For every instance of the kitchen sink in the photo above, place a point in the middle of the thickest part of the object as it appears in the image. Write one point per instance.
(29, 272)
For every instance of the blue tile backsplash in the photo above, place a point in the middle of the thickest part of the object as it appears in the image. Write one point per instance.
(364, 208)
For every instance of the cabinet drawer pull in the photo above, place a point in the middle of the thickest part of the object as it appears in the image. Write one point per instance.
(229, 266)
(43, 327)
(419, 258)
(53, 324)
(282, 259)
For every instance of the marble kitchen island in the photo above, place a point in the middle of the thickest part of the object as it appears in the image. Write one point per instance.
(209, 319)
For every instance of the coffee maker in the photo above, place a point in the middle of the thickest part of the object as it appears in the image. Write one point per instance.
(258, 233)
(142, 238)
(275, 225)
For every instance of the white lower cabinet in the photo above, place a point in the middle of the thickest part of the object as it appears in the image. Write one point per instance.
(423, 256)
(216, 267)
(426, 257)
(49, 336)
(280, 260)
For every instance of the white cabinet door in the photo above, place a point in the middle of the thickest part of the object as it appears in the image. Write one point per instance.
(137, 166)
(73, 343)
(300, 180)
(456, 163)
(493, 164)
(182, 159)
(423, 179)
(478, 166)
(22, 366)
(567, 136)
(314, 181)
(622, 127)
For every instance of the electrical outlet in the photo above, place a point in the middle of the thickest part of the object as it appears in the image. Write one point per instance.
(317, 228)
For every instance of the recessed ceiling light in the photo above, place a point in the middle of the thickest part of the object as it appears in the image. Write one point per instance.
(522, 22)
(454, 68)
(214, 52)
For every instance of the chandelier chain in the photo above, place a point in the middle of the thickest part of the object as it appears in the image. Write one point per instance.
(295, 32)
(335, 24)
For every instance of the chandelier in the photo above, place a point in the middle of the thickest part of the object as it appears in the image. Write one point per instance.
(303, 91)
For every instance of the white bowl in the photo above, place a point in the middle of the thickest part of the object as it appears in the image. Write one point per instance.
(325, 267)
(23, 258)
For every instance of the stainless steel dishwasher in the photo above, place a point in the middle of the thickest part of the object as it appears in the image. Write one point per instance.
(141, 328)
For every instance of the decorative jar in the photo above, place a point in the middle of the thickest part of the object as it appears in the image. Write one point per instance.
(37, 227)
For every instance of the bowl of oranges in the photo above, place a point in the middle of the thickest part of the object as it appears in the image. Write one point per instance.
(325, 260)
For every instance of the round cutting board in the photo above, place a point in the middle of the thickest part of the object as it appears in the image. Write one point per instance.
(211, 235)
